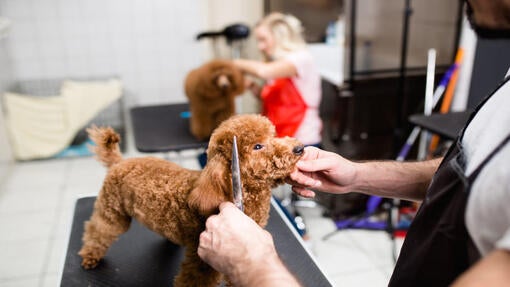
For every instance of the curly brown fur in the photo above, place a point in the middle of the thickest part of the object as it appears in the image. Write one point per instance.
(211, 90)
(174, 201)
(107, 145)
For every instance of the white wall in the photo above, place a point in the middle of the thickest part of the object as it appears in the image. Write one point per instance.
(149, 44)
(248, 12)
(432, 25)
(225, 12)
(6, 157)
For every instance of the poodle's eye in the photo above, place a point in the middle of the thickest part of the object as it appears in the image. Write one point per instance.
(258, 146)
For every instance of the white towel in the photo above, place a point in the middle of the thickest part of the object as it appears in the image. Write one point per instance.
(40, 127)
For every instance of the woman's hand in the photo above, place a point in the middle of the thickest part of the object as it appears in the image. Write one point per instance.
(252, 86)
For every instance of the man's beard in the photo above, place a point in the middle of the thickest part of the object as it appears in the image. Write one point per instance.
(483, 32)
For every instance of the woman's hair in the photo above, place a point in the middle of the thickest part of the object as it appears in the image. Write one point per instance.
(287, 32)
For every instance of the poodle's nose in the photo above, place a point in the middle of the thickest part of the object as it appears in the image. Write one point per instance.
(223, 82)
(298, 150)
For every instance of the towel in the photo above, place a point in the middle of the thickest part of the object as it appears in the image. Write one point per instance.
(40, 127)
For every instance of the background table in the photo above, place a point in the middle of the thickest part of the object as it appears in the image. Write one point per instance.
(143, 258)
(163, 128)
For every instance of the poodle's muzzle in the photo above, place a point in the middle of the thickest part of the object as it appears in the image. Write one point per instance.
(223, 82)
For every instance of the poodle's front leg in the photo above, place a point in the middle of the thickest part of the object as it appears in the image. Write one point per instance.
(103, 228)
(195, 272)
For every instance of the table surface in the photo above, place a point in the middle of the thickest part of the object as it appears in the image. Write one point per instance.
(163, 128)
(143, 258)
(447, 125)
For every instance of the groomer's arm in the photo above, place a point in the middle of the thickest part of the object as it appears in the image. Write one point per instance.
(236, 246)
(267, 71)
(493, 270)
(268, 273)
(329, 172)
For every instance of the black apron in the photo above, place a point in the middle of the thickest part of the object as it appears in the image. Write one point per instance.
(438, 248)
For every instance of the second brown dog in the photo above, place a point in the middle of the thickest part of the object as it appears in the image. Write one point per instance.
(211, 89)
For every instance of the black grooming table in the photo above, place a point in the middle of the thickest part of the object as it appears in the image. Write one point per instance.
(143, 258)
(163, 128)
(446, 125)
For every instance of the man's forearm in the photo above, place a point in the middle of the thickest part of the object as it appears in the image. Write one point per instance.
(270, 273)
(405, 180)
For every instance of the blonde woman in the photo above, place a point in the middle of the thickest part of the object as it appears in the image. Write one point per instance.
(292, 91)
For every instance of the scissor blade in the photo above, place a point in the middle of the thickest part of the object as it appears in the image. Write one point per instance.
(236, 177)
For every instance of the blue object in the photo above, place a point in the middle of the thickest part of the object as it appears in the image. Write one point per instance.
(185, 114)
(364, 222)
(77, 150)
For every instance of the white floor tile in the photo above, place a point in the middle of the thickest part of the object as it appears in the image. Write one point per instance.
(63, 221)
(349, 257)
(27, 281)
(33, 176)
(22, 258)
(56, 256)
(339, 255)
(74, 191)
(377, 245)
(26, 226)
(34, 200)
(85, 172)
(50, 280)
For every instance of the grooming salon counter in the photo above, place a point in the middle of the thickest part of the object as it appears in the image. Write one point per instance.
(163, 128)
(143, 258)
(446, 125)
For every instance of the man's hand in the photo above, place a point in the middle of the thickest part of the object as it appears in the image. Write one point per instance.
(236, 246)
(322, 171)
(233, 241)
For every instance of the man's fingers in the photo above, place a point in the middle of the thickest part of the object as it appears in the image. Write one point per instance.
(211, 223)
(205, 239)
(204, 244)
(314, 165)
(228, 207)
(303, 191)
(299, 178)
(226, 204)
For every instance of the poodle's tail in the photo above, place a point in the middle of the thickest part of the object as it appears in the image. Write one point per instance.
(107, 148)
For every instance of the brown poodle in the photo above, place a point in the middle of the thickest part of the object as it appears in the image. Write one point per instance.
(175, 202)
(211, 90)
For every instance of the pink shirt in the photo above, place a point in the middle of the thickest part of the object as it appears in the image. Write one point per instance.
(308, 83)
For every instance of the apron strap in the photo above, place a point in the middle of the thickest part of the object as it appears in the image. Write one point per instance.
(475, 173)
(505, 80)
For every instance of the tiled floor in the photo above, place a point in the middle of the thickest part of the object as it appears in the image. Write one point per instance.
(36, 204)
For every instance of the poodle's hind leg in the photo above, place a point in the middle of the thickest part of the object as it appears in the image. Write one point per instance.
(105, 225)
(196, 273)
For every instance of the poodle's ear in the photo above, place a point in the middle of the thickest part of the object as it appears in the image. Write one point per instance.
(190, 83)
(238, 80)
(212, 187)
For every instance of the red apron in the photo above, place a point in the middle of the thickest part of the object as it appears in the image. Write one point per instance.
(283, 105)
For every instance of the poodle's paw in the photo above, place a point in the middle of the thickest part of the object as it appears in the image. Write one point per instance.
(89, 263)
(90, 257)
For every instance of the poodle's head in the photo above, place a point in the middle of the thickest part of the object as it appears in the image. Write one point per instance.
(265, 161)
(216, 79)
